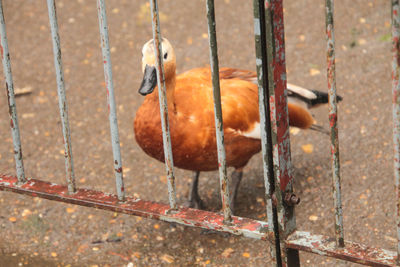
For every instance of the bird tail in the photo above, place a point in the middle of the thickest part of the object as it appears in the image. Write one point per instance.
(321, 98)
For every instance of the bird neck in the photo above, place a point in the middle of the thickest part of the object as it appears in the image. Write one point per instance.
(170, 92)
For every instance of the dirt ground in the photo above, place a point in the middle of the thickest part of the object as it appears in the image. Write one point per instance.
(36, 232)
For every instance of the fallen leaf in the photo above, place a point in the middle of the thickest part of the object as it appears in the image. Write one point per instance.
(12, 219)
(227, 252)
(294, 130)
(314, 72)
(53, 254)
(26, 212)
(362, 41)
(313, 218)
(28, 115)
(308, 148)
(70, 210)
(167, 258)
(204, 35)
(246, 254)
(156, 226)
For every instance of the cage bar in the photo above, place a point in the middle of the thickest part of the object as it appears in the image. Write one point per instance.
(62, 101)
(282, 166)
(219, 127)
(162, 98)
(331, 78)
(12, 108)
(112, 113)
(396, 110)
(265, 124)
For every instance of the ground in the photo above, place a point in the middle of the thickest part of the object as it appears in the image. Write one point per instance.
(38, 232)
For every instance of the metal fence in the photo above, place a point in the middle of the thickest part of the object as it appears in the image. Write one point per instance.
(280, 231)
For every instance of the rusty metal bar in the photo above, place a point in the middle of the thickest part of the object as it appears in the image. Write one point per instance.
(354, 252)
(97, 199)
(318, 244)
(265, 124)
(331, 73)
(12, 108)
(219, 127)
(62, 102)
(282, 166)
(396, 110)
(105, 47)
(162, 98)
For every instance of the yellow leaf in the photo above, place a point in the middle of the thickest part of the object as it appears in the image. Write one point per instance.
(12, 219)
(313, 218)
(227, 252)
(246, 254)
(308, 148)
(314, 72)
(167, 258)
(70, 210)
(156, 226)
(53, 254)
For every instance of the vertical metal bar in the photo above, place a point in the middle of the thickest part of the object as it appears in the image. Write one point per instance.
(396, 109)
(331, 72)
(219, 127)
(111, 99)
(282, 166)
(265, 123)
(62, 102)
(162, 91)
(12, 108)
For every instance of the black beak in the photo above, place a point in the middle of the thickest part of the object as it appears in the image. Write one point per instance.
(149, 80)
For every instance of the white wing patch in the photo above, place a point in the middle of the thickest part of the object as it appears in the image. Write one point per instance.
(254, 133)
(301, 91)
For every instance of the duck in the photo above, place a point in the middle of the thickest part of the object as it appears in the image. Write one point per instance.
(191, 117)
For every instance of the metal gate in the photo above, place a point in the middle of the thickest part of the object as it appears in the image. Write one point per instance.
(280, 231)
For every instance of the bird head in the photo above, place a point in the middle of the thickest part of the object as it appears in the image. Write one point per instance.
(149, 81)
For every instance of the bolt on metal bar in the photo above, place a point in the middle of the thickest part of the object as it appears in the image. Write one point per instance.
(219, 127)
(62, 101)
(105, 47)
(396, 109)
(12, 108)
(265, 123)
(162, 98)
(331, 77)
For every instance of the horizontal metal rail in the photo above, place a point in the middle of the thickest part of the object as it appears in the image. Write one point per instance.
(354, 252)
(318, 244)
(97, 199)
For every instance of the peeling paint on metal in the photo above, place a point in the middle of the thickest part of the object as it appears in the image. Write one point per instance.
(112, 114)
(186, 216)
(62, 102)
(5, 57)
(354, 252)
(396, 110)
(223, 178)
(331, 78)
(169, 164)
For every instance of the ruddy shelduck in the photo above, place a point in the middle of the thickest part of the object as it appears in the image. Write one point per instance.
(191, 116)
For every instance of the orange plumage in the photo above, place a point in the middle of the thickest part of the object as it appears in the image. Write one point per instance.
(191, 114)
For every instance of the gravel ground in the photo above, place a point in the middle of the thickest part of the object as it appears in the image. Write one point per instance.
(46, 233)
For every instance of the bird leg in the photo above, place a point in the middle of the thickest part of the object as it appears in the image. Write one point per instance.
(235, 181)
(194, 200)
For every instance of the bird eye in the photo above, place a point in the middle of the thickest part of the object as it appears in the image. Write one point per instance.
(165, 55)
